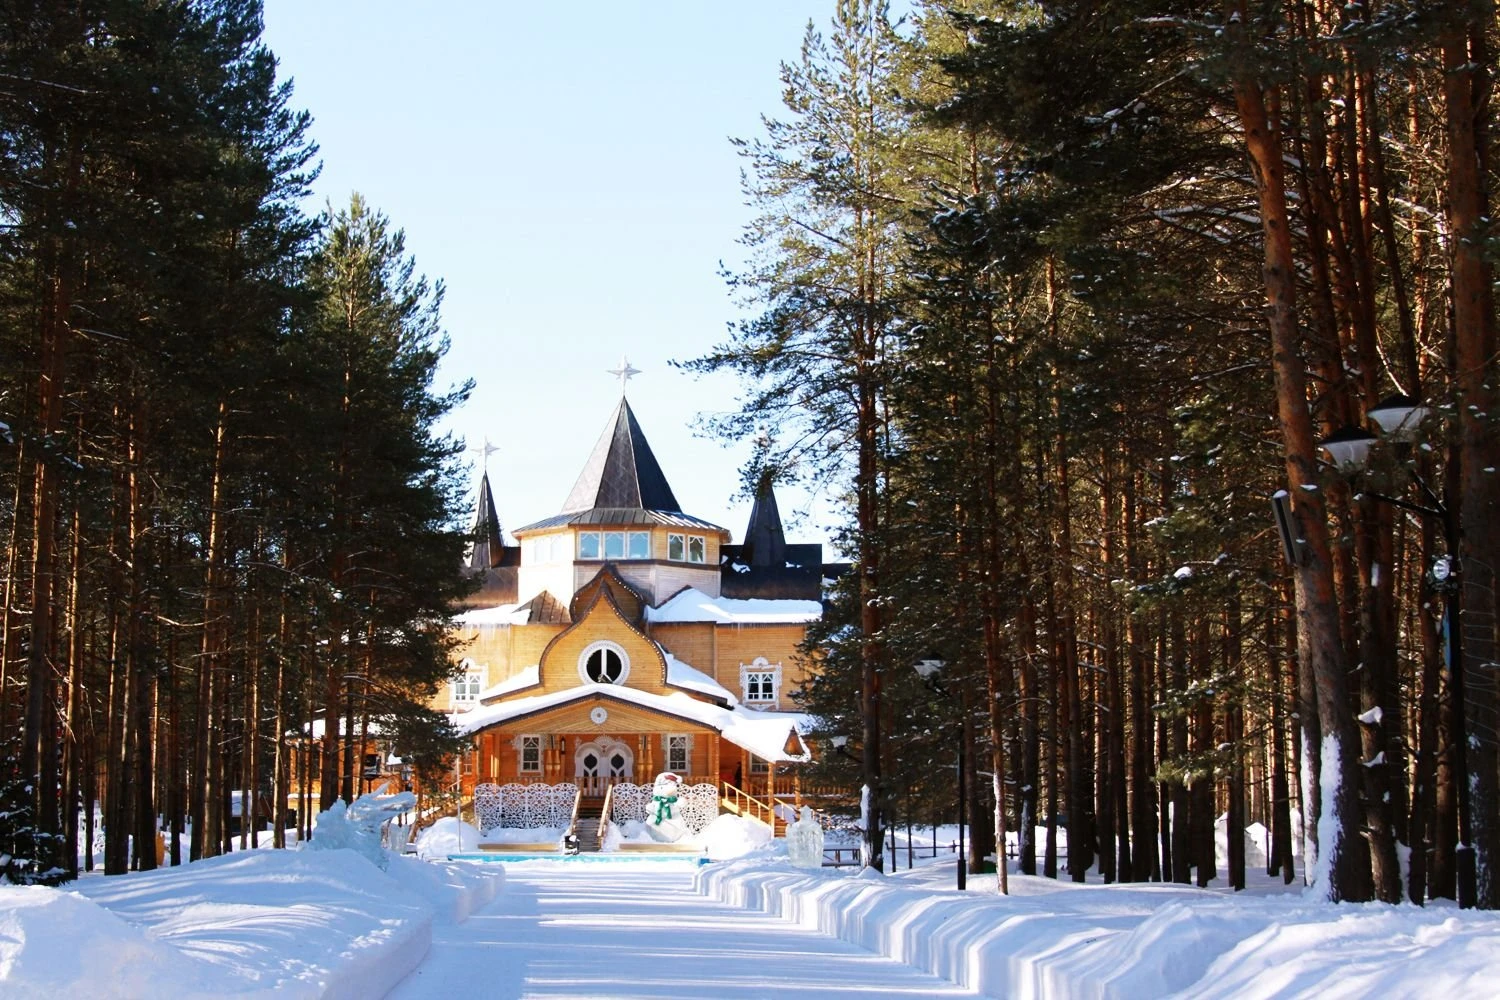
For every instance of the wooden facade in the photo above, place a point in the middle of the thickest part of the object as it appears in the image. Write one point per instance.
(623, 638)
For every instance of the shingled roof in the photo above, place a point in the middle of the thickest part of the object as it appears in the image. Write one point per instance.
(622, 471)
(487, 548)
(765, 539)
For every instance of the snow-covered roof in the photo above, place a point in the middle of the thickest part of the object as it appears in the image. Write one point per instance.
(529, 677)
(317, 727)
(764, 734)
(681, 675)
(503, 614)
(693, 605)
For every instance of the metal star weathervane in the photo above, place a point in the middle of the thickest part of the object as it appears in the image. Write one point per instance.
(484, 451)
(624, 373)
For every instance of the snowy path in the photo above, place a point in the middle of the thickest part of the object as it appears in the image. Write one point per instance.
(641, 931)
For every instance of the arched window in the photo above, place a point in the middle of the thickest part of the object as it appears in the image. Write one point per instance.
(604, 663)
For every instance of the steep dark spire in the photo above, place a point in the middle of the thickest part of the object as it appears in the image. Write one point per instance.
(488, 545)
(765, 541)
(622, 472)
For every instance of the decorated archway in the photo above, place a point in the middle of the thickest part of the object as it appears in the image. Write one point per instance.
(601, 762)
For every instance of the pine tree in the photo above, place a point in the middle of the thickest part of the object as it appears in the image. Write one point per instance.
(828, 183)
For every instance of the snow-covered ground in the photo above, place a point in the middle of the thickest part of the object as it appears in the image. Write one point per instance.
(640, 931)
(1052, 939)
(247, 925)
(333, 924)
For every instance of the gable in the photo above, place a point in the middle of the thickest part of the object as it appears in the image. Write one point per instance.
(608, 581)
(601, 625)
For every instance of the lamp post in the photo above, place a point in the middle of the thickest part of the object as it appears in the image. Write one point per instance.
(928, 670)
(1399, 418)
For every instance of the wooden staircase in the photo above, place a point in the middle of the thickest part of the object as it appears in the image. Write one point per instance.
(589, 829)
(740, 802)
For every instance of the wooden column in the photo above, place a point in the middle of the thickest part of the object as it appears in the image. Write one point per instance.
(713, 758)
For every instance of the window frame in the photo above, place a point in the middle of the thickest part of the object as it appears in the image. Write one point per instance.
(631, 538)
(603, 646)
(597, 539)
(768, 673)
(614, 545)
(459, 687)
(677, 741)
(522, 743)
(685, 548)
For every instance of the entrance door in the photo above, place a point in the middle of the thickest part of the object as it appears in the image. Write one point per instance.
(601, 763)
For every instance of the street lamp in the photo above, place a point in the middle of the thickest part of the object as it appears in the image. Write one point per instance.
(1399, 418)
(928, 669)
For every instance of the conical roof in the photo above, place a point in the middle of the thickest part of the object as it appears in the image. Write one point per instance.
(622, 472)
(488, 547)
(765, 540)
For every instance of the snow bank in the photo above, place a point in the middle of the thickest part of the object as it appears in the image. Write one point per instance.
(306, 924)
(453, 889)
(446, 836)
(726, 838)
(522, 835)
(1128, 941)
(730, 836)
(249, 925)
(58, 944)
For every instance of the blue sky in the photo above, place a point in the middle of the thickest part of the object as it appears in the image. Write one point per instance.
(566, 170)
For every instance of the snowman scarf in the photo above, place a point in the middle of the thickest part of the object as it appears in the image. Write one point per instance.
(663, 805)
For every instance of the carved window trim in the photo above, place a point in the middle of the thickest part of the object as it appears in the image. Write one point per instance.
(464, 689)
(524, 742)
(760, 683)
(685, 743)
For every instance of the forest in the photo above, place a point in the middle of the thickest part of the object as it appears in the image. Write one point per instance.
(1063, 298)
(1067, 298)
(226, 507)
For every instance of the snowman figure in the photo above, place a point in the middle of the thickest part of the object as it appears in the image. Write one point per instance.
(804, 841)
(663, 814)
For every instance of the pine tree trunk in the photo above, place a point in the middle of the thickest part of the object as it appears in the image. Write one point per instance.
(1343, 859)
(1181, 794)
(1282, 855)
(1147, 862)
(206, 790)
(1466, 87)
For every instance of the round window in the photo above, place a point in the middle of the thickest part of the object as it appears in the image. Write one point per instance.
(604, 663)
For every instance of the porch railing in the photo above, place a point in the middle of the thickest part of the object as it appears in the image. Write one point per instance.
(573, 822)
(595, 785)
(606, 814)
(742, 803)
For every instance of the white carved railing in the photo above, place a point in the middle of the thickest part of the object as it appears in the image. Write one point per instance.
(699, 804)
(524, 807)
